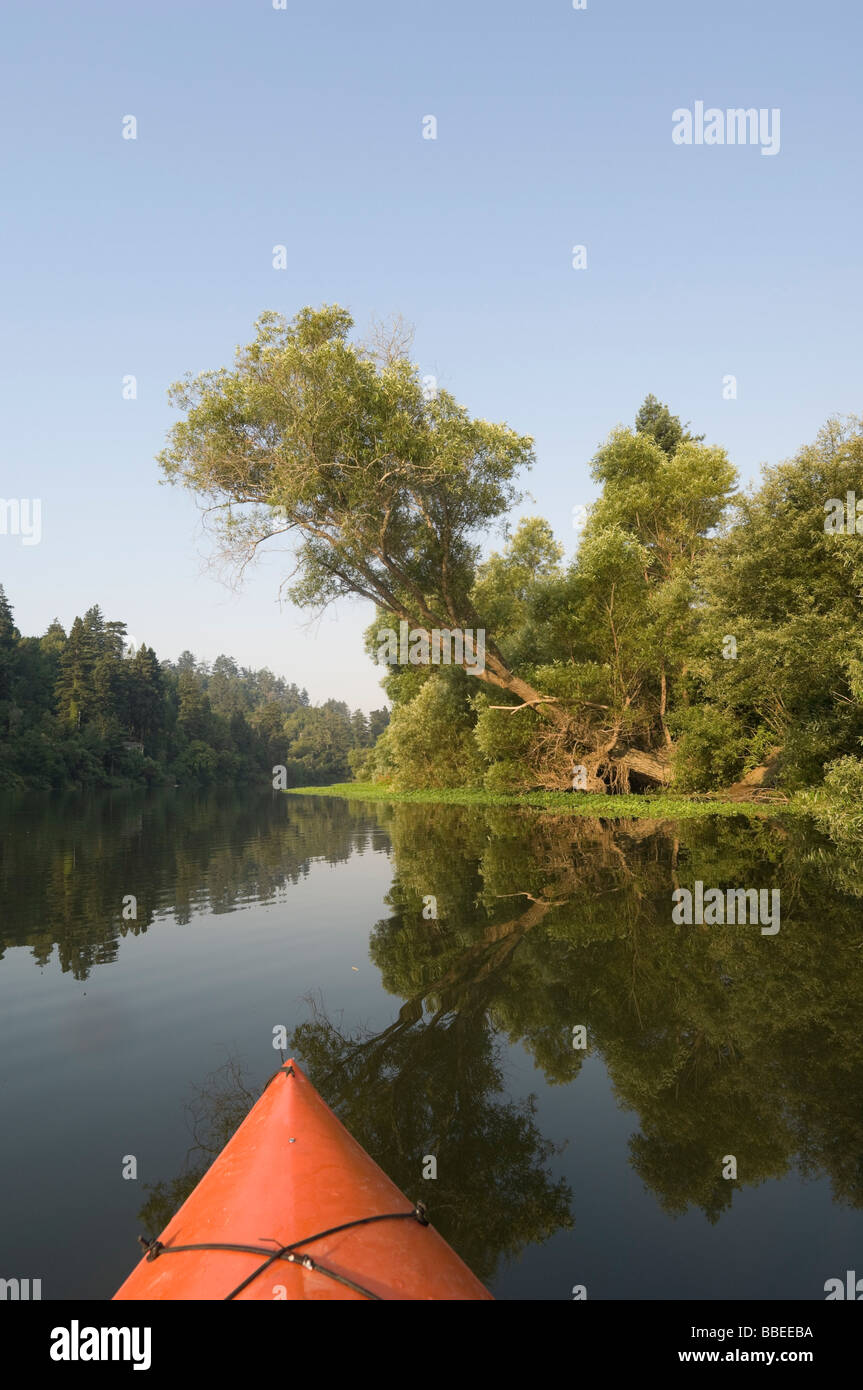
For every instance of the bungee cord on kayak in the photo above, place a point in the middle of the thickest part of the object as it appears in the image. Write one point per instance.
(155, 1248)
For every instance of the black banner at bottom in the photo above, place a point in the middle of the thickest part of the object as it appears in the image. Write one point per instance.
(158, 1338)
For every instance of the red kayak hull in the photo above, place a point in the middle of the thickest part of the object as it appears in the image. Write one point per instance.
(292, 1170)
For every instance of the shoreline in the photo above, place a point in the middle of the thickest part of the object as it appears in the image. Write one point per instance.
(629, 807)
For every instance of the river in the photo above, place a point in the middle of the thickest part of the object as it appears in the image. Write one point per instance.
(433, 968)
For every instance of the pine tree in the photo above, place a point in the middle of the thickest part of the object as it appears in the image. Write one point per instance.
(193, 714)
(55, 638)
(75, 696)
(665, 429)
(9, 639)
(146, 694)
(378, 721)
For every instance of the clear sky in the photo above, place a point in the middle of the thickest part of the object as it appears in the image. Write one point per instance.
(304, 127)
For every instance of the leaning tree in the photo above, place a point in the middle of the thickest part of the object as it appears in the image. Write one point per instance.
(386, 490)
(385, 487)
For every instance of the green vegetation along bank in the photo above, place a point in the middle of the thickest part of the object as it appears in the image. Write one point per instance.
(702, 637)
(664, 806)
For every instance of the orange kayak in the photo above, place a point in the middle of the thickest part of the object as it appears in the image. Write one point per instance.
(294, 1208)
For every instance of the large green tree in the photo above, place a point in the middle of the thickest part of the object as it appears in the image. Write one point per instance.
(612, 636)
(786, 587)
(386, 488)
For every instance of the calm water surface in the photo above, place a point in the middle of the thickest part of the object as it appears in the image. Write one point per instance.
(450, 1036)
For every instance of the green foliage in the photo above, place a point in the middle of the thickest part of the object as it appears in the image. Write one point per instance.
(838, 804)
(508, 586)
(430, 739)
(843, 783)
(790, 594)
(661, 807)
(670, 503)
(656, 420)
(384, 489)
(387, 494)
(504, 735)
(84, 711)
(710, 749)
(634, 639)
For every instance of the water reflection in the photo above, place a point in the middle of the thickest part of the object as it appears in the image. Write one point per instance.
(66, 864)
(415, 1090)
(719, 1040)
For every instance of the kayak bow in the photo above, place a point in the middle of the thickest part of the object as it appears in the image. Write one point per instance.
(294, 1208)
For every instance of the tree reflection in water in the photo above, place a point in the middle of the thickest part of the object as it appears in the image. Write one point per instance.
(718, 1040)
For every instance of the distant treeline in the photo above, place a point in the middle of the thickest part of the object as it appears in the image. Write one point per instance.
(84, 709)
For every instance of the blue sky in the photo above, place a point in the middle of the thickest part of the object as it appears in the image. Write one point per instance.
(303, 127)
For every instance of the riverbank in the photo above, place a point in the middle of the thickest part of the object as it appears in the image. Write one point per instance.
(662, 806)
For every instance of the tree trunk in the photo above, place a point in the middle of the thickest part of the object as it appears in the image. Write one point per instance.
(497, 673)
(663, 705)
(656, 766)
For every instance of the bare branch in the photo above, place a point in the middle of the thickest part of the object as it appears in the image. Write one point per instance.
(389, 340)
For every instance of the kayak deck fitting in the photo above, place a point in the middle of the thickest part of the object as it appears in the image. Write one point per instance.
(294, 1208)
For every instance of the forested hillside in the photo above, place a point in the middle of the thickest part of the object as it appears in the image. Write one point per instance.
(84, 709)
